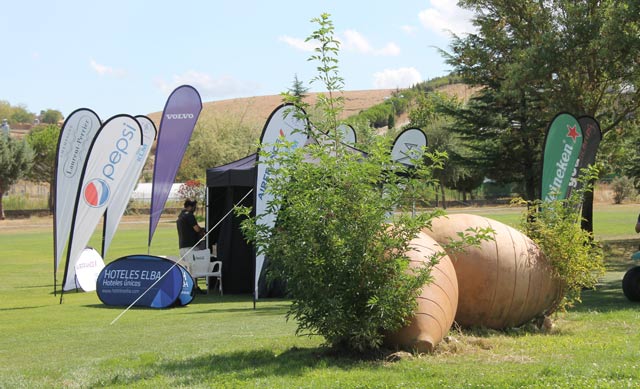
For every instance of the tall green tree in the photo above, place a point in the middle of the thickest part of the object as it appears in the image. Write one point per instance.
(535, 59)
(298, 89)
(50, 116)
(43, 140)
(15, 160)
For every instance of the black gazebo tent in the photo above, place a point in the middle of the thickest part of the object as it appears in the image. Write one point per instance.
(226, 185)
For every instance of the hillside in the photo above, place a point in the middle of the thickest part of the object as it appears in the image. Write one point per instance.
(254, 111)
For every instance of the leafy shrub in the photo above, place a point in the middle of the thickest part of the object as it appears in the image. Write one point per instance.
(577, 259)
(623, 188)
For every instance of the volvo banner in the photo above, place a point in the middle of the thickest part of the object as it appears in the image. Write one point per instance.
(121, 198)
(179, 117)
(76, 135)
(560, 160)
(287, 122)
(110, 157)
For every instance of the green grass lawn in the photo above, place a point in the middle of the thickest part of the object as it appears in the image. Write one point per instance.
(223, 342)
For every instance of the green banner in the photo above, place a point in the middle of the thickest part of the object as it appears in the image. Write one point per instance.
(561, 151)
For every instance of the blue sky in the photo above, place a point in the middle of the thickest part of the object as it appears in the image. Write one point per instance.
(121, 56)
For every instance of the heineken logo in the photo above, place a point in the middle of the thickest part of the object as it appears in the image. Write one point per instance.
(573, 132)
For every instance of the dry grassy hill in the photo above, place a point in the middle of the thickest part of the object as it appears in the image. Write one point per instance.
(255, 111)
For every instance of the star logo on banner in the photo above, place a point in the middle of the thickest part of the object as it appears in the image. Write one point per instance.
(573, 132)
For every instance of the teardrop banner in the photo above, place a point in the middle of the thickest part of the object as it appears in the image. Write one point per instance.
(408, 146)
(141, 280)
(76, 135)
(179, 117)
(592, 136)
(287, 122)
(110, 156)
(121, 198)
(562, 149)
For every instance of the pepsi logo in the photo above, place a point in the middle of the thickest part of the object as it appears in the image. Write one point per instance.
(96, 193)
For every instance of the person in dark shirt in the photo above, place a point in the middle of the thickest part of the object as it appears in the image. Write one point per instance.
(189, 232)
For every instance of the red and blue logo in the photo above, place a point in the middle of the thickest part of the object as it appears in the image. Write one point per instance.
(96, 193)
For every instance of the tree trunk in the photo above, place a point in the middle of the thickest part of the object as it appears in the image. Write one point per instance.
(587, 210)
(444, 200)
(50, 199)
(1, 209)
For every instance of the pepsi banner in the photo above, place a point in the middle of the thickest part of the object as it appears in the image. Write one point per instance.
(560, 160)
(76, 135)
(179, 117)
(145, 281)
(110, 156)
(121, 198)
(286, 123)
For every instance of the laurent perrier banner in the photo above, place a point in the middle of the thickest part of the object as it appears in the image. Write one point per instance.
(561, 152)
(76, 135)
(110, 156)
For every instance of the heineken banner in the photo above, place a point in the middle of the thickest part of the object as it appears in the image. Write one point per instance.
(560, 161)
(179, 117)
(111, 156)
(285, 123)
(76, 135)
(408, 146)
(121, 198)
(592, 136)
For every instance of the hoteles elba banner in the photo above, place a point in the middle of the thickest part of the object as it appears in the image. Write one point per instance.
(287, 122)
(179, 117)
(76, 135)
(110, 156)
(562, 149)
(121, 198)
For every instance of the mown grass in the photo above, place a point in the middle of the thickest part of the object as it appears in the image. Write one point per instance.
(223, 342)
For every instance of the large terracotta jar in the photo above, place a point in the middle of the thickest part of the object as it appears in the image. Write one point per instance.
(436, 304)
(502, 283)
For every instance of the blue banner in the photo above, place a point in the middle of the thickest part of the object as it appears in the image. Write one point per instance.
(144, 279)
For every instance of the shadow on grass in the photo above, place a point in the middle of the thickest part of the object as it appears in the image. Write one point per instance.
(607, 297)
(241, 366)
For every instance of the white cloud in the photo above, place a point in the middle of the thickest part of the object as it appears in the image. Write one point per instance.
(396, 78)
(409, 30)
(444, 16)
(104, 70)
(298, 43)
(208, 86)
(355, 41)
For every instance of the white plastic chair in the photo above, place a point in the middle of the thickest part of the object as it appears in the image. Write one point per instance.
(202, 267)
